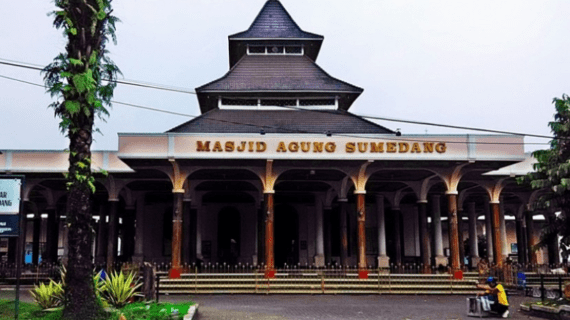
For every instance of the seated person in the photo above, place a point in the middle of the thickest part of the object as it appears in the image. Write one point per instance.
(495, 292)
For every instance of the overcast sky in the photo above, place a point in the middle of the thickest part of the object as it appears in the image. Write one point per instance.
(490, 64)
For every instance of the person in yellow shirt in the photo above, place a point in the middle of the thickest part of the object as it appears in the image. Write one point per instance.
(496, 292)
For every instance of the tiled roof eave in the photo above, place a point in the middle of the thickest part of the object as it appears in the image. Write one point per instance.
(233, 37)
(277, 91)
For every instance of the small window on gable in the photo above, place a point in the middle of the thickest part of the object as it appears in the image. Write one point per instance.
(278, 102)
(257, 50)
(294, 50)
(316, 102)
(275, 50)
(239, 102)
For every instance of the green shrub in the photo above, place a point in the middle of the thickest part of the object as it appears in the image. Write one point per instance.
(48, 296)
(119, 289)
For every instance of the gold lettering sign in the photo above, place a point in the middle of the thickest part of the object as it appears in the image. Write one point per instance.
(321, 147)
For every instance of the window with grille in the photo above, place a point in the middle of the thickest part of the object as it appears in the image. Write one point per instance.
(239, 102)
(316, 102)
(278, 102)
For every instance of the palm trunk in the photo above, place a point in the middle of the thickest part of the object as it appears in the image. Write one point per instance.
(81, 301)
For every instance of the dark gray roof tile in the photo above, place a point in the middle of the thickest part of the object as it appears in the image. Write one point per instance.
(279, 74)
(280, 121)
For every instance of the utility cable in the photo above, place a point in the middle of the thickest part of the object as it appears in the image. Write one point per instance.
(125, 82)
(303, 109)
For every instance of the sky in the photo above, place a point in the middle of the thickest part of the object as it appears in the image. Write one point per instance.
(488, 64)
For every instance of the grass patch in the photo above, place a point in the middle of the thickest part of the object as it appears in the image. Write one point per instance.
(134, 311)
(154, 311)
(27, 311)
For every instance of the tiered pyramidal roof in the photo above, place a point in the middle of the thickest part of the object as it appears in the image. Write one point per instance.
(272, 74)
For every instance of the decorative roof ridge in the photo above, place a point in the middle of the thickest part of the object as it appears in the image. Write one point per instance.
(257, 17)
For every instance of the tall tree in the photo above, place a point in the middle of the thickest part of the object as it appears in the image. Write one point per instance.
(552, 175)
(82, 79)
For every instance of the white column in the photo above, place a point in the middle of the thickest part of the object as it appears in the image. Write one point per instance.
(437, 236)
(139, 231)
(383, 259)
(488, 230)
(474, 249)
(503, 229)
(319, 233)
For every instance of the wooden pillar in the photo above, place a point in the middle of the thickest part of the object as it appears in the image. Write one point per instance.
(424, 235)
(461, 237)
(453, 232)
(343, 233)
(497, 239)
(52, 234)
(269, 240)
(112, 240)
(187, 233)
(177, 221)
(361, 218)
(503, 227)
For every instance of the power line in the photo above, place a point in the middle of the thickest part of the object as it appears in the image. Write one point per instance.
(303, 109)
(172, 89)
(125, 81)
(435, 124)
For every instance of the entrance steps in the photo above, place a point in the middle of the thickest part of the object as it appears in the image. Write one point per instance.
(316, 283)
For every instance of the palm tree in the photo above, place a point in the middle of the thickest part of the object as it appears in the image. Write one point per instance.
(82, 80)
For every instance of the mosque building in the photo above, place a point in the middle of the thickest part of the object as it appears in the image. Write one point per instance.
(278, 171)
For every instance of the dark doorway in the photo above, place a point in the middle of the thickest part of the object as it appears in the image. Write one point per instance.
(229, 235)
(286, 236)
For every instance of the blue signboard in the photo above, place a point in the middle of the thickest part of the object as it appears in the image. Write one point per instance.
(10, 200)
(9, 225)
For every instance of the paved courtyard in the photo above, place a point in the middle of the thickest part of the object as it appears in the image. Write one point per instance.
(305, 307)
(301, 307)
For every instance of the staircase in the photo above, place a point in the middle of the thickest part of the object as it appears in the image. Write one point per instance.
(317, 282)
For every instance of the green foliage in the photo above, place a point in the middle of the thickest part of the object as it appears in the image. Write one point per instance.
(83, 78)
(154, 311)
(552, 178)
(119, 289)
(48, 296)
(134, 311)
